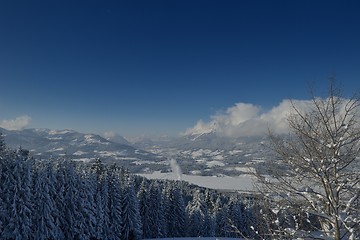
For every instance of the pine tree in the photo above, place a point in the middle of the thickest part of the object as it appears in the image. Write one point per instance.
(115, 204)
(156, 213)
(250, 221)
(176, 215)
(2, 144)
(131, 224)
(87, 187)
(236, 216)
(3, 176)
(53, 193)
(165, 214)
(198, 219)
(102, 227)
(44, 225)
(74, 218)
(17, 199)
(59, 198)
(221, 216)
(145, 209)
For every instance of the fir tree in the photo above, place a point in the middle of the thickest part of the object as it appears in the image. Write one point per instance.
(43, 221)
(17, 199)
(176, 215)
(87, 187)
(197, 212)
(2, 144)
(156, 213)
(102, 227)
(145, 209)
(236, 216)
(221, 216)
(131, 220)
(74, 219)
(115, 204)
(59, 198)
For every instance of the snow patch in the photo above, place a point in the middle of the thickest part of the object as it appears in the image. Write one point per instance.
(89, 138)
(86, 160)
(56, 149)
(235, 152)
(244, 182)
(54, 138)
(245, 169)
(59, 132)
(78, 153)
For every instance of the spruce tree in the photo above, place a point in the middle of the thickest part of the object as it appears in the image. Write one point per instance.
(236, 216)
(17, 199)
(115, 204)
(145, 209)
(156, 212)
(102, 227)
(87, 187)
(197, 212)
(176, 215)
(2, 144)
(44, 225)
(131, 220)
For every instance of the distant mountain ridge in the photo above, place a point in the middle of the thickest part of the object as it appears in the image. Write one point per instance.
(46, 143)
(200, 153)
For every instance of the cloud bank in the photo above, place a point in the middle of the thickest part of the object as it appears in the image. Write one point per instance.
(18, 123)
(244, 119)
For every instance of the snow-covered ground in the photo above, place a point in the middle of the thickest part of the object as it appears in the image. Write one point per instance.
(242, 182)
(198, 238)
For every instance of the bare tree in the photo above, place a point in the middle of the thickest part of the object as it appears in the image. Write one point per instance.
(317, 172)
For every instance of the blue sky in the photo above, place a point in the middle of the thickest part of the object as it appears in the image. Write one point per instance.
(158, 67)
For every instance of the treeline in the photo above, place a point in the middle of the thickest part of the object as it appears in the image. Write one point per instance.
(62, 199)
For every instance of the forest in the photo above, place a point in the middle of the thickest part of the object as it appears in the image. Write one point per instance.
(63, 199)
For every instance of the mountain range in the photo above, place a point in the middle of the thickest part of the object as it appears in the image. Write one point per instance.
(195, 153)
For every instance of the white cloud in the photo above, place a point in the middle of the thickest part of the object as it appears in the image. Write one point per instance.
(16, 124)
(109, 134)
(245, 119)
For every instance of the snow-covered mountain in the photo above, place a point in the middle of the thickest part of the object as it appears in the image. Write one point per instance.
(206, 153)
(201, 131)
(46, 143)
(203, 153)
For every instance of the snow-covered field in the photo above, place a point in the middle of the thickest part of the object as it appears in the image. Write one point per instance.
(242, 182)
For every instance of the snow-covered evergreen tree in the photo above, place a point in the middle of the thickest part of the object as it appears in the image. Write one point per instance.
(145, 209)
(176, 214)
(102, 211)
(73, 211)
(59, 198)
(198, 224)
(52, 188)
(2, 210)
(156, 213)
(221, 216)
(87, 189)
(115, 204)
(2, 144)
(44, 225)
(236, 216)
(131, 220)
(17, 198)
